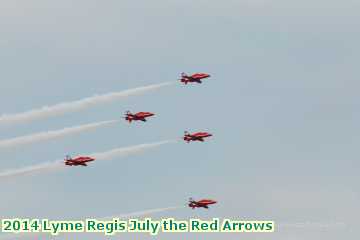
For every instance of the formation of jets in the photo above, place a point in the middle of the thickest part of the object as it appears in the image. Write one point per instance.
(142, 116)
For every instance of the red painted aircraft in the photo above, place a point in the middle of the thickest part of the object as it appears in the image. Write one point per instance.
(199, 136)
(140, 116)
(200, 204)
(193, 78)
(78, 161)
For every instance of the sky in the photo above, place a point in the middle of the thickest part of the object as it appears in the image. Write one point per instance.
(282, 103)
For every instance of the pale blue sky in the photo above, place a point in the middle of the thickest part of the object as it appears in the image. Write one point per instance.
(282, 104)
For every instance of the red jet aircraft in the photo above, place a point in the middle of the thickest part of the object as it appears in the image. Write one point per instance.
(78, 161)
(140, 116)
(200, 204)
(193, 78)
(199, 136)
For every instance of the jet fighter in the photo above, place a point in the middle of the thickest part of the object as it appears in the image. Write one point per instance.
(78, 161)
(140, 116)
(201, 204)
(199, 136)
(196, 77)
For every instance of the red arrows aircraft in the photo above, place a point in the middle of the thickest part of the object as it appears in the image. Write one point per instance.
(140, 116)
(193, 78)
(78, 161)
(200, 204)
(199, 136)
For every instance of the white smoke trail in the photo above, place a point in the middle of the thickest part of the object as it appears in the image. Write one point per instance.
(122, 152)
(57, 165)
(142, 213)
(44, 167)
(66, 107)
(44, 136)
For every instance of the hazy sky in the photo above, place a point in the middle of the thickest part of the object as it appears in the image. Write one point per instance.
(282, 104)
